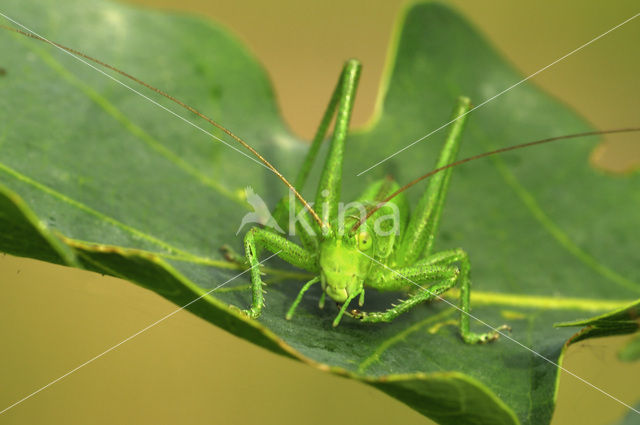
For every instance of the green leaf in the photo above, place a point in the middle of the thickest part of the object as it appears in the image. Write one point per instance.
(93, 176)
(618, 322)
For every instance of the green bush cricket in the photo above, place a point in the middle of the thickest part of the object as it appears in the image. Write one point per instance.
(348, 252)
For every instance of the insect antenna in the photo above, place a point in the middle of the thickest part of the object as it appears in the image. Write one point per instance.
(482, 155)
(316, 217)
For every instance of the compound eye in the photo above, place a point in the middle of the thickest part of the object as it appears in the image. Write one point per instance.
(364, 241)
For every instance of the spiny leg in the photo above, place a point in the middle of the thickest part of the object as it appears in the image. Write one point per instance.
(423, 226)
(292, 253)
(342, 100)
(418, 274)
(343, 97)
(461, 257)
(298, 299)
(304, 226)
(283, 209)
(436, 267)
(328, 192)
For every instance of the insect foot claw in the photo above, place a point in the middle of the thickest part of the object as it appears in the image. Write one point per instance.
(489, 337)
(250, 313)
(373, 317)
(356, 314)
(472, 338)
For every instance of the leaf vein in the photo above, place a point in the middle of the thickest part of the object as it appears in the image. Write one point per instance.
(72, 202)
(131, 127)
(556, 232)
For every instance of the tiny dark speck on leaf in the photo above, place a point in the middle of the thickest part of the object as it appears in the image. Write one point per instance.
(3, 72)
(216, 92)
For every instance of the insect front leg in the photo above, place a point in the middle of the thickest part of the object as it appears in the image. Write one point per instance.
(438, 267)
(254, 241)
(298, 299)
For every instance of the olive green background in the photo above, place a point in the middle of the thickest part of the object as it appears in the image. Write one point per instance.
(186, 371)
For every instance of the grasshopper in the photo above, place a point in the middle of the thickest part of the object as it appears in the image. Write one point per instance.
(347, 252)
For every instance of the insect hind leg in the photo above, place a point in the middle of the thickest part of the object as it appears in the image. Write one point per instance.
(461, 257)
(423, 225)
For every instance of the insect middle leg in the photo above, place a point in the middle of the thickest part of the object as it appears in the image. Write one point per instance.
(439, 267)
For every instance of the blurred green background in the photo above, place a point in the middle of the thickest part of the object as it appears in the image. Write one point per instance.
(186, 371)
